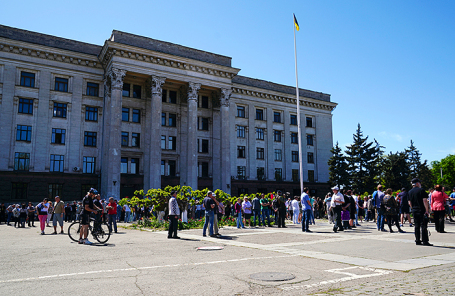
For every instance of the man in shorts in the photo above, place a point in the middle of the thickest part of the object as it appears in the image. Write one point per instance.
(404, 207)
(59, 210)
(87, 208)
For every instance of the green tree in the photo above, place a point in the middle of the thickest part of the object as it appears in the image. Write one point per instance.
(447, 165)
(394, 170)
(417, 168)
(338, 167)
(363, 160)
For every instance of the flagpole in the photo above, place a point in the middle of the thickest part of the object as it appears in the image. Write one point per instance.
(298, 115)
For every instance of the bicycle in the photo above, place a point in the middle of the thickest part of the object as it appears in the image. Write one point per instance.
(100, 231)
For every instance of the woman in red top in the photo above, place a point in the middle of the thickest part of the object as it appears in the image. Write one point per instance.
(438, 199)
(112, 214)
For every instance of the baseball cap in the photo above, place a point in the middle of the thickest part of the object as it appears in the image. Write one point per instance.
(93, 190)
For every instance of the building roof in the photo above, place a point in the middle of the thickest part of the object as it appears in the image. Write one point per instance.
(170, 48)
(280, 88)
(49, 40)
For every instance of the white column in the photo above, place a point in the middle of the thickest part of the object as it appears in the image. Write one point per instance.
(192, 177)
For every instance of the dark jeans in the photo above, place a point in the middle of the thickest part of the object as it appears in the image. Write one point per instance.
(112, 219)
(281, 217)
(380, 221)
(306, 216)
(173, 222)
(31, 220)
(209, 218)
(439, 220)
(337, 219)
(420, 226)
(393, 219)
(257, 214)
(266, 212)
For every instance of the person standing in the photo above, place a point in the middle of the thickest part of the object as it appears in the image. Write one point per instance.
(337, 201)
(306, 210)
(328, 203)
(59, 209)
(438, 199)
(9, 211)
(404, 207)
(49, 212)
(418, 201)
(295, 210)
(216, 211)
(378, 196)
(42, 210)
(88, 207)
(209, 205)
(238, 212)
(31, 215)
(391, 210)
(246, 207)
(174, 213)
(256, 210)
(265, 208)
(281, 209)
(112, 214)
(128, 213)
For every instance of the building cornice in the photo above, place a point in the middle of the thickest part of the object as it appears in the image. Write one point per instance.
(285, 98)
(48, 53)
(113, 49)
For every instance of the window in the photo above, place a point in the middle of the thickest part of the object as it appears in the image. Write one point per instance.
(278, 155)
(241, 111)
(259, 114)
(293, 119)
(136, 115)
(60, 110)
(125, 139)
(58, 136)
(24, 133)
(259, 153)
(310, 157)
(294, 138)
(55, 190)
(21, 161)
(277, 136)
(295, 175)
(309, 140)
(124, 165)
(163, 142)
(240, 131)
(172, 168)
(27, 79)
(278, 174)
(134, 165)
(204, 169)
(137, 91)
(163, 119)
(125, 114)
(26, 106)
(310, 176)
(205, 102)
(241, 172)
(90, 139)
(172, 97)
(61, 84)
(19, 191)
(88, 166)
(93, 89)
(259, 134)
(260, 173)
(240, 151)
(163, 165)
(205, 146)
(204, 124)
(56, 163)
(295, 156)
(126, 90)
(91, 113)
(309, 122)
(172, 143)
(277, 117)
(172, 120)
(135, 140)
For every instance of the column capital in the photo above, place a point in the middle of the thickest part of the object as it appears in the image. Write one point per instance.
(225, 96)
(116, 75)
(193, 89)
(157, 85)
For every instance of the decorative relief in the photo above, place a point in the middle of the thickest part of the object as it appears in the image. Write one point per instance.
(157, 85)
(225, 96)
(107, 87)
(193, 88)
(48, 55)
(116, 76)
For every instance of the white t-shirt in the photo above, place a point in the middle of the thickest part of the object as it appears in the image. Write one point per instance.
(127, 208)
(356, 199)
(295, 205)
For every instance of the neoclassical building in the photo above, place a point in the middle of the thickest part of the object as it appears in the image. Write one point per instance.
(138, 113)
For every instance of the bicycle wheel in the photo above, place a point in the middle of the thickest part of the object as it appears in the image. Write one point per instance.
(102, 233)
(74, 231)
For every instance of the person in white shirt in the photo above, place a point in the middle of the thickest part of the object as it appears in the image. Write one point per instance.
(337, 201)
(127, 213)
(295, 210)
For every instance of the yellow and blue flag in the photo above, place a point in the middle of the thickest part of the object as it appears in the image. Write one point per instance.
(296, 23)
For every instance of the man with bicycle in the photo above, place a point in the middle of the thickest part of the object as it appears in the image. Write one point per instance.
(88, 207)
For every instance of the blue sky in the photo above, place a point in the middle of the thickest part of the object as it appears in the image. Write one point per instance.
(388, 64)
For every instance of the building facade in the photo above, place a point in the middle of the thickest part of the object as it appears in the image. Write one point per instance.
(138, 113)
